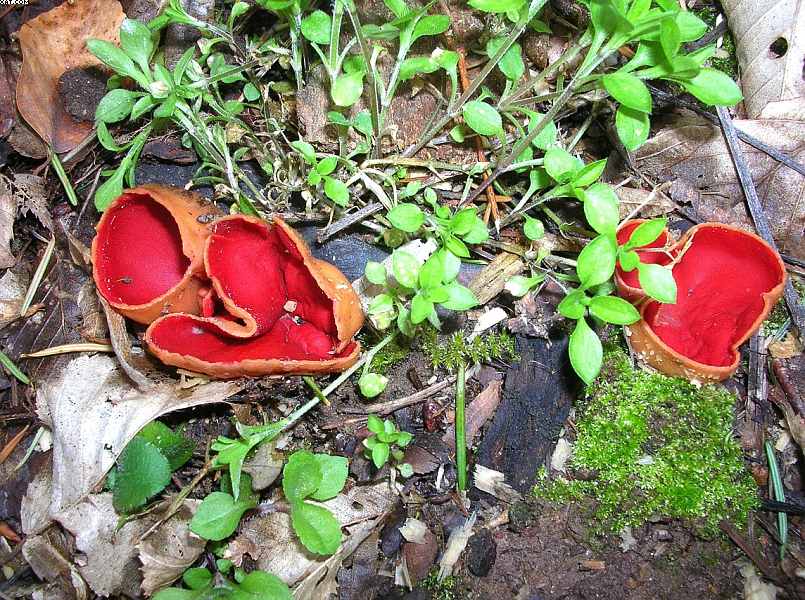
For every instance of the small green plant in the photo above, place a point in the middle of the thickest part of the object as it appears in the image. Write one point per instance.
(201, 583)
(144, 467)
(321, 171)
(440, 590)
(386, 441)
(413, 289)
(659, 446)
(220, 512)
(457, 350)
(317, 477)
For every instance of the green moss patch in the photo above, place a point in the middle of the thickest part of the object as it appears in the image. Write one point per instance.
(656, 445)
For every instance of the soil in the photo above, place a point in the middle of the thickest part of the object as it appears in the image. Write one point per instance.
(81, 89)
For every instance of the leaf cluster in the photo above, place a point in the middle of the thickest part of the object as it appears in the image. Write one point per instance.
(201, 584)
(385, 441)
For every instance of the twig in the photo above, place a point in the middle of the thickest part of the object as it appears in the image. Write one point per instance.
(756, 211)
(38, 275)
(348, 221)
(768, 571)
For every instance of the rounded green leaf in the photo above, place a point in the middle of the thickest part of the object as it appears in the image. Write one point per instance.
(406, 217)
(714, 88)
(250, 92)
(482, 118)
(316, 27)
(533, 228)
(658, 282)
(497, 6)
(347, 89)
(646, 233)
(628, 90)
(601, 208)
(336, 191)
(421, 307)
(411, 67)
(430, 25)
(459, 297)
(612, 309)
(545, 138)
(375, 272)
(259, 585)
(585, 352)
(334, 470)
(115, 105)
(405, 267)
(317, 528)
(572, 305)
(142, 472)
(372, 384)
(511, 63)
(218, 516)
(136, 41)
(380, 454)
(633, 127)
(596, 261)
(519, 286)
(301, 476)
(561, 165)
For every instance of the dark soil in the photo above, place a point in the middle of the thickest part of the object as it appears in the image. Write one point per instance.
(81, 89)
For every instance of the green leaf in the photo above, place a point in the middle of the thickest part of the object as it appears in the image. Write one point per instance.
(714, 88)
(334, 470)
(482, 118)
(142, 472)
(590, 173)
(573, 305)
(628, 90)
(670, 38)
(372, 384)
(317, 528)
(115, 105)
(301, 476)
(259, 585)
(174, 446)
(327, 165)
(398, 7)
(612, 309)
(596, 261)
(197, 578)
(629, 260)
(477, 234)
(218, 516)
(545, 138)
(380, 454)
(511, 63)
(117, 60)
(136, 41)
(601, 208)
(166, 108)
(347, 89)
(519, 286)
(380, 304)
(658, 282)
(421, 307)
(456, 246)
(142, 106)
(406, 217)
(307, 151)
(690, 26)
(497, 6)
(336, 190)
(415, 65)
(459, 297)
(430, 25)
(451, 265)
(316, 27)
(645, 233)
(405, 267)
(533, 228)
(375, 424)
(375, 272)
(585, 352)
(463, 221)
(432, 272)
(633, 127)
(561, 165)
(106, 139)
(250, 92)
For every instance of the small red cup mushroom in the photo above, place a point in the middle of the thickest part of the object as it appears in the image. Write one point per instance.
(728, 280)
(147, 256)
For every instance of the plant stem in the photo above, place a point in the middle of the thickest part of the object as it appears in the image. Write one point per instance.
(62, 175)
(776, 483)
(374, 103)
(460, 420)
(322, 394)
(295, 29)
(541, 124)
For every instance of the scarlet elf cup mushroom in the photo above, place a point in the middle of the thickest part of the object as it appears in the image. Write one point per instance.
(727, 282)
(225, 296)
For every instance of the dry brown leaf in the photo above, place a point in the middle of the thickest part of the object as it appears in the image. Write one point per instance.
(652, 206)
(171, 549)
(788, 347)
(93, 410)
(479, 411)
(770, 39)
(52, 43)
(12, 291)
(8, 212)
(694, 150)
(32, 196)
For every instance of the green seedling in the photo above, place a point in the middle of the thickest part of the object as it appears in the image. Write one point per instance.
(387, 442)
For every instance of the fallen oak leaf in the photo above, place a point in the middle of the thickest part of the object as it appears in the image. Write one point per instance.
(52, 44)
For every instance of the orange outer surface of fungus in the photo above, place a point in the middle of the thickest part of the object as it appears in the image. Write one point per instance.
(226, 296)
(728, 280)
(147, 256)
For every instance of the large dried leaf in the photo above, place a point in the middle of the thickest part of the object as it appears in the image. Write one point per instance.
(8, 212)
(171, 549)
(770, 37)
(694, 150)
(93, 410)
(51, 44)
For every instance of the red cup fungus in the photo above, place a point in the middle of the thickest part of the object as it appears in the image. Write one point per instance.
(727, 281)
(233, 297)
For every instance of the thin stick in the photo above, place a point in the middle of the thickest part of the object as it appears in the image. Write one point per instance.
(756, 211)
(38, 275)
(67, 348)
(62, 175)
